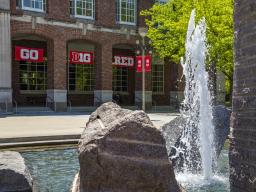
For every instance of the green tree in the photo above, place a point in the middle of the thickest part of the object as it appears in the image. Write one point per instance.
(168, 25)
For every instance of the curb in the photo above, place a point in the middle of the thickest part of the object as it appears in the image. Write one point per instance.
(6, 143)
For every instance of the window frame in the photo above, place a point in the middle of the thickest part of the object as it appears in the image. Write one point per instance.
(33, 9)
(29, 70)
(118, 17)
(157, 62)
(120, 78)
(85, 69)
(83, 16)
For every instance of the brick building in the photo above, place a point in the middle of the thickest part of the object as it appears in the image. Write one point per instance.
(103, 31)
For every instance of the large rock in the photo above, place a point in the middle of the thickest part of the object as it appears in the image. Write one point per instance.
(14, 175)
(121, 151)
(221, 122)
(174, 129)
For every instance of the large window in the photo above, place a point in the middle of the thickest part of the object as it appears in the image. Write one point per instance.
(82, 8)
(32, 5)
(126, 11)
(157, 75)
(33, 76)
(81, 78)
(120, 79)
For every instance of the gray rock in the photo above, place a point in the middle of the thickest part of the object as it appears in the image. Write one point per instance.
(121, 151)
(14, 175)
(221, 122)
(173, 130)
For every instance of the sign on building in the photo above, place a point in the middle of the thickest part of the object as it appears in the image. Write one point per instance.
(83, 58)
(147, 59)
(29, 54)
(123, 61)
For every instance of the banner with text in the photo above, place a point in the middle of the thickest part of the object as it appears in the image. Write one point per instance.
(147, 59)
(123, 61)
(29, 54)
(78, 57)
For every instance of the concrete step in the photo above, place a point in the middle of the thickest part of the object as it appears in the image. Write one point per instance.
(82, 109)
(7, 143)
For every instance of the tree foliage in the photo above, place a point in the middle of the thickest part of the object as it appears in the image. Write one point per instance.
(168, 25)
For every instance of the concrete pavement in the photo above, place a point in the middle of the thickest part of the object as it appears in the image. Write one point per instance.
(56, 128)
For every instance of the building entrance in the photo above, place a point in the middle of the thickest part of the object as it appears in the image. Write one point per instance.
(30, 70)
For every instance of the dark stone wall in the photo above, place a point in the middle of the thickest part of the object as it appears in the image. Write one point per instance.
(243, 120)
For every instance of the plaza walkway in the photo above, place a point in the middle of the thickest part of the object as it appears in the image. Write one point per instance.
(54, 128)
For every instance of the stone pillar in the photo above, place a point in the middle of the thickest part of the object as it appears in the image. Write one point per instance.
(220, 88)
(5, 58)
(57, 99)
(57, 75)
(242, 153)
(103, 91)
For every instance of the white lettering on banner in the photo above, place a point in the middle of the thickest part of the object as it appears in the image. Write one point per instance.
(86, 57)
(123, 61)
(81, 57)
(34, 55)
(29, 54)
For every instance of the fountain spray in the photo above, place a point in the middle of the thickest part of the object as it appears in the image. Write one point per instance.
(198, 135)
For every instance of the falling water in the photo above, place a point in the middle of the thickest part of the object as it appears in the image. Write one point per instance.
(197, 139)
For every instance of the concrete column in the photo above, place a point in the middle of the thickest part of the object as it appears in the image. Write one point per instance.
(102, 96)
(103, 91)
(5, 59)
(57, 99)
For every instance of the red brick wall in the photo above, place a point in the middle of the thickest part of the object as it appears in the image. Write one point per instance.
(105, 15)
(58, 10)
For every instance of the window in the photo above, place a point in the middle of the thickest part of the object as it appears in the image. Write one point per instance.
(120, 79)
(82, 8)
(81, 77)
(126, 11)
(157, 75)
(33, 76)
(32, 5)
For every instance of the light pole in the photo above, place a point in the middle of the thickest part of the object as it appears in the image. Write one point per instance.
(143, 33)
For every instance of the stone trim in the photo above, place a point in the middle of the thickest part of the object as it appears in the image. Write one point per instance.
(102, 96)
(77, 25)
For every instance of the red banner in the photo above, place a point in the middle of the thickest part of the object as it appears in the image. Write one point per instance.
(29, 54)
(83, 58)
(147, 60)
(123, 61)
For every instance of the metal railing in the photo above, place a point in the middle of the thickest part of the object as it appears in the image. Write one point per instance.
(69, 105)
(16, 105)
(154, 106)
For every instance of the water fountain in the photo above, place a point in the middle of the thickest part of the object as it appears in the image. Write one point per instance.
(197, 140)
(196, 145)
